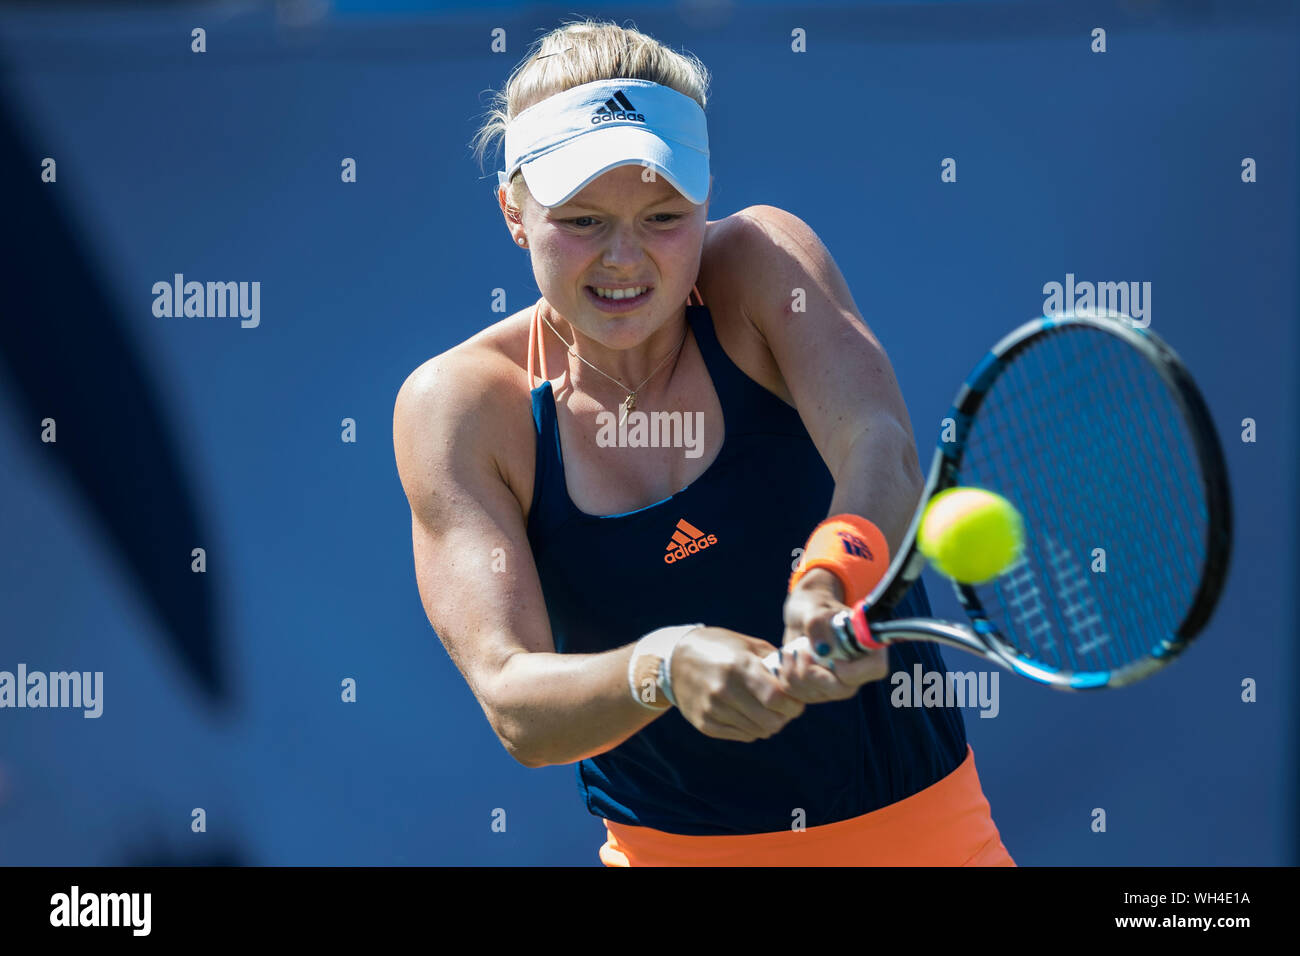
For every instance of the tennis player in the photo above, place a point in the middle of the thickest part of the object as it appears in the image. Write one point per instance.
(609, 597)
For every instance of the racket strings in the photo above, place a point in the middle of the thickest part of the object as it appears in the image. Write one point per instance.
(1154, 397)
(1095, 424)
(1096, 444)
(1025, 449)
(1166, 438)
(1082, 434)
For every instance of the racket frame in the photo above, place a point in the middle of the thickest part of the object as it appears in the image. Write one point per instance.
(860, 628)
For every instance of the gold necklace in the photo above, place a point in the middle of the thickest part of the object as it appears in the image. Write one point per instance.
(628, 404)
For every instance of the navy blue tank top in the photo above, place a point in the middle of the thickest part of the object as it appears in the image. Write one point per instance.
(610, 579)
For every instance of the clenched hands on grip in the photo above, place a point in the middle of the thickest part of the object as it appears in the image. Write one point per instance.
(725, 691)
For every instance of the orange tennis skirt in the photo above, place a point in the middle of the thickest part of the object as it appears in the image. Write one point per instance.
(946, 824)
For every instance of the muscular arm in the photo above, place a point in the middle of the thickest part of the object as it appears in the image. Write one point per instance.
(838, 375)
(546, 708)
(840, 380)
(879, 478)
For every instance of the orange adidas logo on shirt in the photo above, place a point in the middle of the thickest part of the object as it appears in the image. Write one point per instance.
(687, 540)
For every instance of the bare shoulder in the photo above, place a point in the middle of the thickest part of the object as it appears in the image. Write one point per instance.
(469, 377)
(468, 405)
(483, 357)
(756, 241)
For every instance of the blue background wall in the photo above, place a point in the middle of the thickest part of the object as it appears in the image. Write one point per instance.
(225, 166)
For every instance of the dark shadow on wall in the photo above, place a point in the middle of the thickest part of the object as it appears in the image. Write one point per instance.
(65, 350)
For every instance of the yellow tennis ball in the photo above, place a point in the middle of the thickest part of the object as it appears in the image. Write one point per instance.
(971, 535)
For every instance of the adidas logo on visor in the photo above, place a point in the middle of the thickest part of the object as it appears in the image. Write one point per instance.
(617, 107)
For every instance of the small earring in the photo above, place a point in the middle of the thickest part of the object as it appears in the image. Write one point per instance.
(520, 241)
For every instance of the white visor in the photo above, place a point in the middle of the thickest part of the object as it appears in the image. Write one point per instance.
(567, 140)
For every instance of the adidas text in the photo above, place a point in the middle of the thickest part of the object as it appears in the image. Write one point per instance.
(597, 118)
(692, 547)
(686, 540)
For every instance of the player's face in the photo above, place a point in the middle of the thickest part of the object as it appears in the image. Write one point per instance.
(623, 229)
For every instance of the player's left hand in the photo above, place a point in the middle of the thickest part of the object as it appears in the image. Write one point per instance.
(808, 611)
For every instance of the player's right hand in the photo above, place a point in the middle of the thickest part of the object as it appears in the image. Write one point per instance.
(724, 690)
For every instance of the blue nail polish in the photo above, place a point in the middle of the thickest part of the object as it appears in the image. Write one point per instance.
(779, 655)
(795, 656)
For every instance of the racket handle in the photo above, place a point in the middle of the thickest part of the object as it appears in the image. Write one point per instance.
(802, 645)
(853, 631)
(852, 635)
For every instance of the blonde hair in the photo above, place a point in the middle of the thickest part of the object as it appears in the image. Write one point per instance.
(578, 52)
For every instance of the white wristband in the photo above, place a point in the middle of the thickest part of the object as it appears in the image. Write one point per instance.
(659, 643)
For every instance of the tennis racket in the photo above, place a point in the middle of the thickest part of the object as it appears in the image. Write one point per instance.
(1093, 428)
